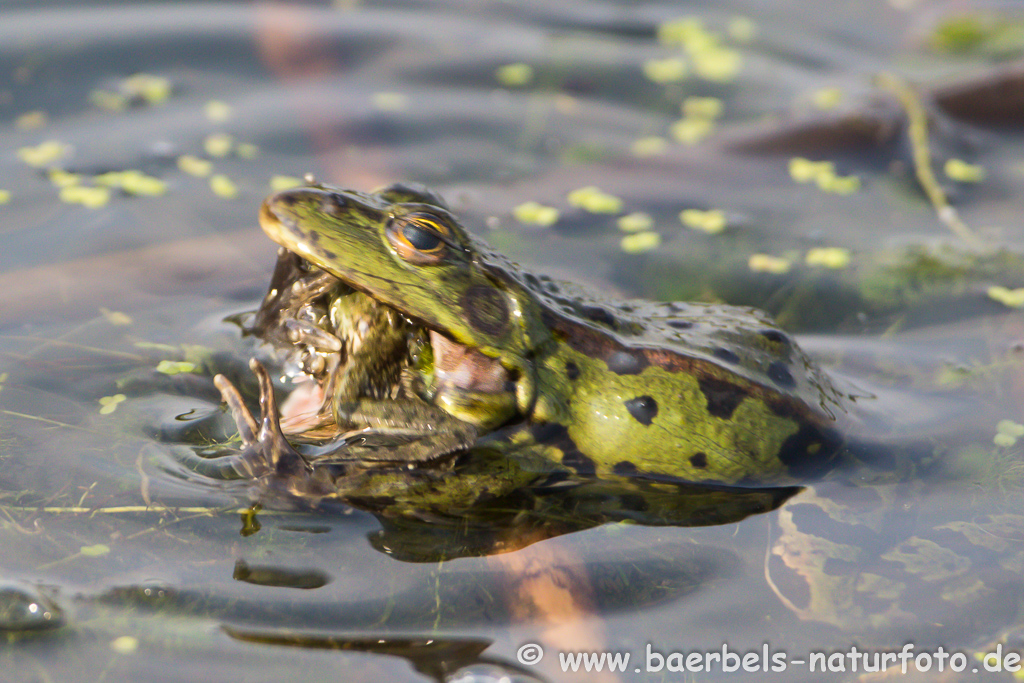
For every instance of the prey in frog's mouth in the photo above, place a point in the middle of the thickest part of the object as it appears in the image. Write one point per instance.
(342, 346)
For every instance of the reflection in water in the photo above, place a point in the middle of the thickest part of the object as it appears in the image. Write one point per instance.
(267, 575)
(417, 530)
(442, 659)
(27, 608)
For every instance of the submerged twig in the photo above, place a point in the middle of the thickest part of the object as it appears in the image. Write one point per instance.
(99, 351)
(917, 131)
(47, 420)
(131, 509)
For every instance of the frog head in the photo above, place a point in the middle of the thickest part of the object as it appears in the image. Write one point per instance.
(404, 248)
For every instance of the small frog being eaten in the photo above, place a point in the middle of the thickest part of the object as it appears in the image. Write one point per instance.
(424, 343)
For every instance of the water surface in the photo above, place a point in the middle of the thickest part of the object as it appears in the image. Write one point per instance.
(494, 104)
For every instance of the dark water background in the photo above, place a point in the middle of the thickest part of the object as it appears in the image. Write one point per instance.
(363, 94)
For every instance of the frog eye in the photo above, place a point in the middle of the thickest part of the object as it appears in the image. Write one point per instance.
(418, 238)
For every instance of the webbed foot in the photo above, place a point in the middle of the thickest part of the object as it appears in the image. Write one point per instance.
(264, 447)
(265, 451)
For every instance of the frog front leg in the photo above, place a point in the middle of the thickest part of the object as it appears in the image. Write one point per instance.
(410, 431)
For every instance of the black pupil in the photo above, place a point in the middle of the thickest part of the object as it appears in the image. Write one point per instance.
(421, 239)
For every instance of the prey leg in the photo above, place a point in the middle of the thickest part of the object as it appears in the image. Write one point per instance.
(265, 451)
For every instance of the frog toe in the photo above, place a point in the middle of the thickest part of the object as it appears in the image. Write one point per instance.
(278, 456)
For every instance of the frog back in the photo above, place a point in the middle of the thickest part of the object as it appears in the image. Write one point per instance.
(704, 393)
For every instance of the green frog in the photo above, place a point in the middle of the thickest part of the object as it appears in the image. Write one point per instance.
(706, 394)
